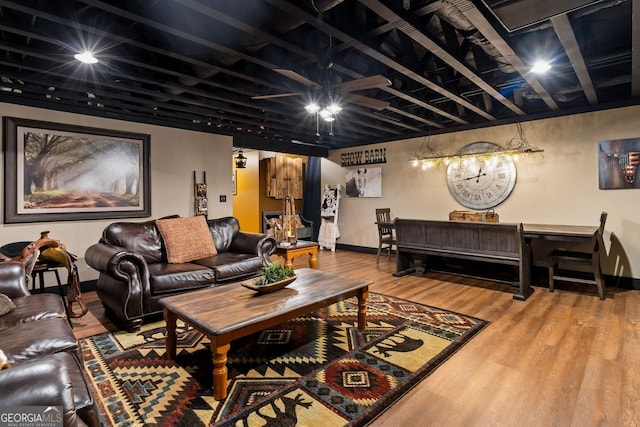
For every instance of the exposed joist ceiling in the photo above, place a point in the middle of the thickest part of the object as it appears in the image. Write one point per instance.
(247, 68)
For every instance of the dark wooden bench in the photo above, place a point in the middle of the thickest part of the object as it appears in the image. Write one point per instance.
(499, 243)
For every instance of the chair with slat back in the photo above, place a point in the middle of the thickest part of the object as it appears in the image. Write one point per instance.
(386, 233)
(589, 258)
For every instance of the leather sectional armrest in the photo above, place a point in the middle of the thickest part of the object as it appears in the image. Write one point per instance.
(12, 279)
(259, 244)
(41, 382)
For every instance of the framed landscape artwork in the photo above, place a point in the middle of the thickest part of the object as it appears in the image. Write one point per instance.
(59, 172)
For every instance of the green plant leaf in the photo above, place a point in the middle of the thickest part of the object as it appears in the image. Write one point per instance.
(274, 273)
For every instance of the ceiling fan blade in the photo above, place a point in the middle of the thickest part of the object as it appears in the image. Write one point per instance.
(371, 82)
(295, 76)
(365, 101)
(277, 95)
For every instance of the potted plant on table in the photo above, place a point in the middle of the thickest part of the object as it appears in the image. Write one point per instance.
(272, 277)
(274, 273)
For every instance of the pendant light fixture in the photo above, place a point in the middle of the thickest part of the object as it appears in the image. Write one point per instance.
(327, 114)
(241, 161)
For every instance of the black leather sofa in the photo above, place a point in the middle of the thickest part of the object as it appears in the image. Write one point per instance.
(135, 274)
(46, 366)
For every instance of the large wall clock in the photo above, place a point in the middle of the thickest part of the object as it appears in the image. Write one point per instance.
(482, 182)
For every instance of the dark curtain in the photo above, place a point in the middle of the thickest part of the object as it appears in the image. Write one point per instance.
(312, 194)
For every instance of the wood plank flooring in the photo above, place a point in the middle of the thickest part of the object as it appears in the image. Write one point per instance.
(558, 359)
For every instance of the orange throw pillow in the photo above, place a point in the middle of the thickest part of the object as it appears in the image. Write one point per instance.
(186, 239)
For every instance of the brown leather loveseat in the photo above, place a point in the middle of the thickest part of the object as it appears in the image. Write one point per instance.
(136, 269)
(45, 365)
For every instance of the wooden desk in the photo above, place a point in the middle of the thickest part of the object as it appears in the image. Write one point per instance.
(591, 236)
(300, 248)
(226, 313)
(564, 233)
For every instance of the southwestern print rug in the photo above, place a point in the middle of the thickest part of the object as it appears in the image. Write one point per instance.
(316, 370)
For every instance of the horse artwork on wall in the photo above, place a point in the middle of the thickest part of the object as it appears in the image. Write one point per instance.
(363, 182)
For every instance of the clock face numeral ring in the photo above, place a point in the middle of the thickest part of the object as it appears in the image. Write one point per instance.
(481, 183)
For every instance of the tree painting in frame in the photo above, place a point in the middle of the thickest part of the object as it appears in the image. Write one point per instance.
(363, 182)
(618, 162)
(58, 172)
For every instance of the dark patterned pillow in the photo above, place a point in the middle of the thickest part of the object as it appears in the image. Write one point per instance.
(6, 305)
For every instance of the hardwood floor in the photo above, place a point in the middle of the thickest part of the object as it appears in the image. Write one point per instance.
(558, 359)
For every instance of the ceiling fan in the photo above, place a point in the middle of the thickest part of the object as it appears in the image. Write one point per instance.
(344, 89)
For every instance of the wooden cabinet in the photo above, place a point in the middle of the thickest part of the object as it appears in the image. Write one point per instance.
(284, 177)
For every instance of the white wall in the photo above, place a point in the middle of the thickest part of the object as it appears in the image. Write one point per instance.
(175, 154)
(559, 188)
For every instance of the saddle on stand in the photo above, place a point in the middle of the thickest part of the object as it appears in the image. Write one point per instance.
(54, 252)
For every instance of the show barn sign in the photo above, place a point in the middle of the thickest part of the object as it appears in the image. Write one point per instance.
(364, 157)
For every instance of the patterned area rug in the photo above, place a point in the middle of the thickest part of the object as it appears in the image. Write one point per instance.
(316, 370)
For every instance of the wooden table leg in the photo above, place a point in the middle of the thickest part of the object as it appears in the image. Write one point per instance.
(313, 258)
(362, 308)
(288, 261)
(170, 336)
(220, 345)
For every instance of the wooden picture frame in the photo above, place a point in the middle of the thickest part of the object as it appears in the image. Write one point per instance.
(618, 162)
(60, 172)
(234, 182)
(363, 182)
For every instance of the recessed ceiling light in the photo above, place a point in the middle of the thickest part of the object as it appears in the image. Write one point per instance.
(86, 57)
(540, 66)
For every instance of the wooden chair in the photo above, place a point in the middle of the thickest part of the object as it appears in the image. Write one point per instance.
(386, 232)
(589, 258)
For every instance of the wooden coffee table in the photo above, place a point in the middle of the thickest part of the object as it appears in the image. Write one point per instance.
(300, 248)
(228, 312)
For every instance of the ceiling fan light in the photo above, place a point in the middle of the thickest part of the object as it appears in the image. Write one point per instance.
(329, 118)
(312, 108)
(324, 113)
(334, 108)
